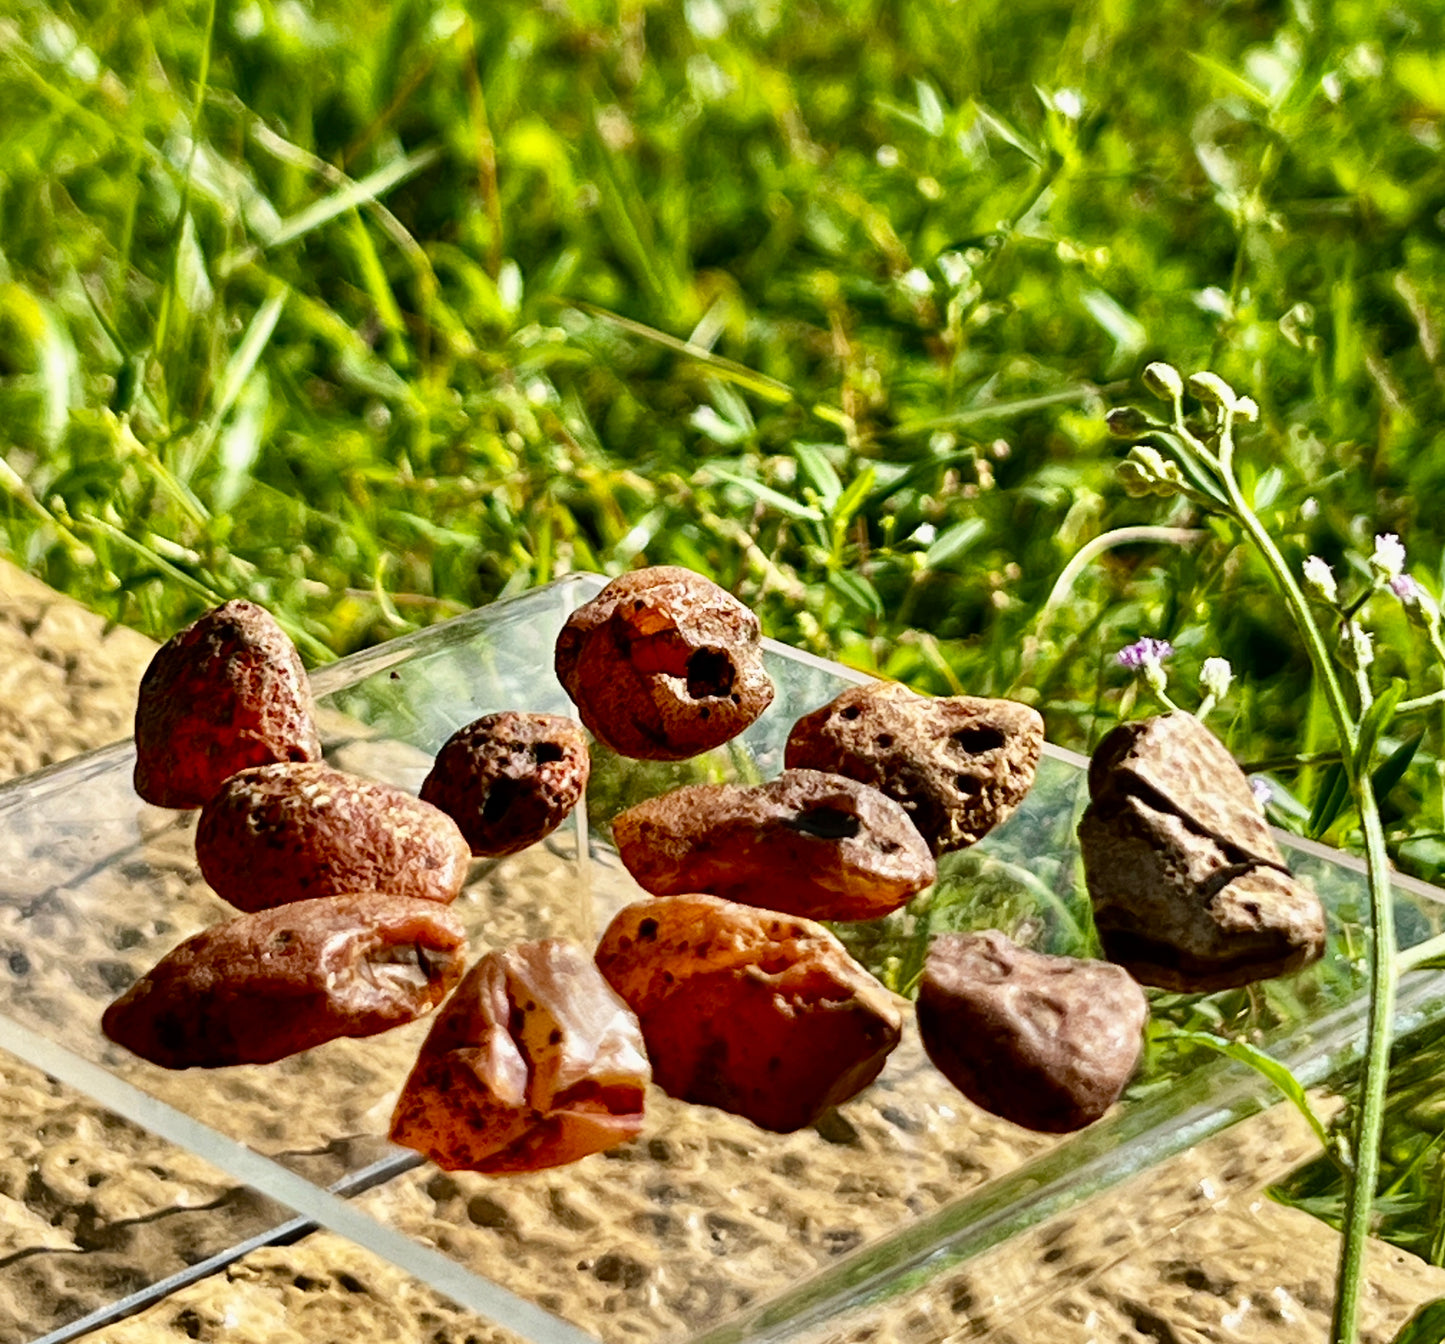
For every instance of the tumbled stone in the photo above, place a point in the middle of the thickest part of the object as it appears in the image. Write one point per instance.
(510, 779)
(293, 832)
(534, 1062)
(266, 985)
(663, 664)
(1046, 1042)
(808, 843)
(761, 1014)
(1190, 890)
(226, 693)
(958, 765)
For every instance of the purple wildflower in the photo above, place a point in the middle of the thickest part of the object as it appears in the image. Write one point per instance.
(1405, 588)
(1261, 790)
(1143, 652)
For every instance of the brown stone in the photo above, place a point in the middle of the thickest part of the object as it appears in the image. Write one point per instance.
(807, 843)
(1190, 890)
(756, 1013)
(509, 780)
(292, 832)
(227, 692)
(270, 984)
(958, 765)
(1046, 1042)
(663, 664)
(535, 1062)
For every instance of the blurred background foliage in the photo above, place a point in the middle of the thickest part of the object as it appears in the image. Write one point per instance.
(374, 313)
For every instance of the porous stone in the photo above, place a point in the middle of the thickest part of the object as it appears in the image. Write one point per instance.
(510, 779)
(760, 1014)
(1046, 1042)
(535, 1062)
(292, 832)
(1190, 891)
(958, 765)
(807, 843)
(226, 693)
(663, 664)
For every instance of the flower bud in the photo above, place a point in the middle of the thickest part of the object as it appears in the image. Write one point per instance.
(1146, 471)
(1320, 580)
(1126, 422)
(1163, 381)
(1421, 609)
(1213, 391)
(1215, 676)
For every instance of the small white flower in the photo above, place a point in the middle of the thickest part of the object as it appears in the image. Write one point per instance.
(1309, 509)
(1261, 790)
(1067, 103)
(1389, 558)
(1215, 676)
(1320, 580)
(925, 534)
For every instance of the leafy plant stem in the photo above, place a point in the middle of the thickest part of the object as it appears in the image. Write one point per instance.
(1382, 955)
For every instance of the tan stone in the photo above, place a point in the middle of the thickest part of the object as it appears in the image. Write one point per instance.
(958, 765)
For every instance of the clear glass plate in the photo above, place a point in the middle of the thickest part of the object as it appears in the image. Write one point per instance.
(706, 1228)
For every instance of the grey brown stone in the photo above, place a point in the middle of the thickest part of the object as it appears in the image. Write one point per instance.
(958, 765)
(807, 843)
(1046, 1042)
(292, 832)
(663, 664)
(510, 779)
(760, 1014)
(534, 1063)
(225, 693)
(1190, 890)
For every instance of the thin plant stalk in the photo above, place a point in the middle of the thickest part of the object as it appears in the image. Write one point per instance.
(1149, 474)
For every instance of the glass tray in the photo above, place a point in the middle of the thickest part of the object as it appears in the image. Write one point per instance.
(706, 1228)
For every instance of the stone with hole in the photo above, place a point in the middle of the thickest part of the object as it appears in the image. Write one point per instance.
(663, 664)
(808, 843)
(1190, 890)
(958, 765)
(510, 779)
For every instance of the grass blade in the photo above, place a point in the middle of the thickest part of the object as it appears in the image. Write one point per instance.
(358, 193)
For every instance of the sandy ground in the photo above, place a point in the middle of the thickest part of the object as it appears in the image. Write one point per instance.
(672, 1233)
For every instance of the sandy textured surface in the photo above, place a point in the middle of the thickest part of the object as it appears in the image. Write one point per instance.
(675, 1231)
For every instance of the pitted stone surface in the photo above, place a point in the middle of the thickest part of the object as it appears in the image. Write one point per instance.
(958, 765)
(296, 831)
(225, 693)
(807, 843)
(663, 664)
(509, 779)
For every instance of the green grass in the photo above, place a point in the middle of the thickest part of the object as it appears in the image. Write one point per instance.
(374, 313)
